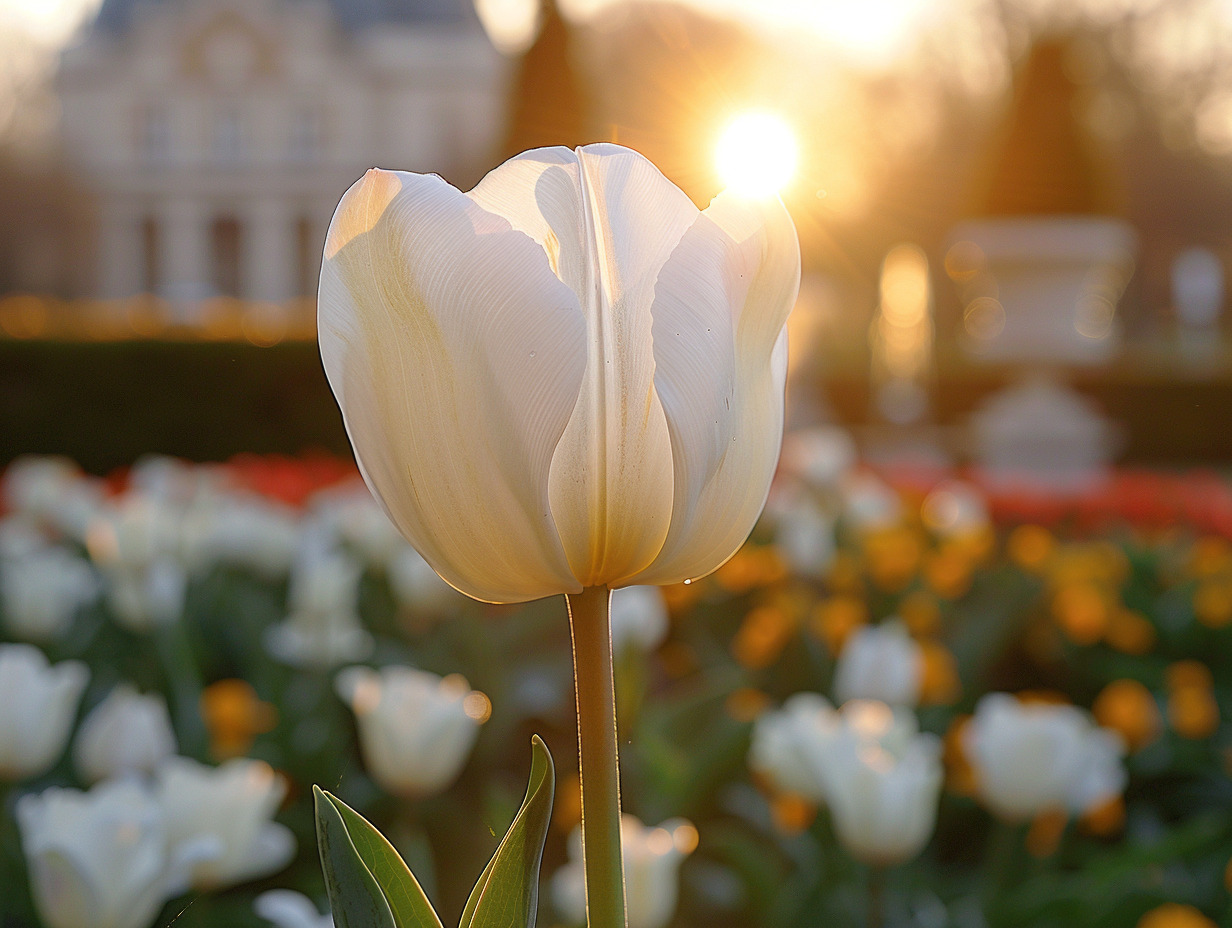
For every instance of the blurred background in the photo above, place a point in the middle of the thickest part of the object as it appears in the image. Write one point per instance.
(1005, 469)
(1014, 214)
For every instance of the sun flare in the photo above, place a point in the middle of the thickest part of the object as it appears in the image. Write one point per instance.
(756, 154)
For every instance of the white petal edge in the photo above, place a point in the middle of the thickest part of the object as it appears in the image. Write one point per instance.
(456, 356)
(721, 306)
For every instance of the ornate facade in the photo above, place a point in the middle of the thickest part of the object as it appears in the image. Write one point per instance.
(218, 135)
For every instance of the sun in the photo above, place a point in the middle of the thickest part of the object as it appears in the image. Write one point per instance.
(756, 154)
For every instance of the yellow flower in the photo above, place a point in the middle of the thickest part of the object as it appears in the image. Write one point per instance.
(234, 716)
(1126, 706)
(1031, 547)
(1175, 915)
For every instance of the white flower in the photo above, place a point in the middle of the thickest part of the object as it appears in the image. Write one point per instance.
(652, 858)
(954, 509)
(804, 536)
(224, 814)
(144, 599)
(355, 517)
(242, 530)
(639, 618)
(415, 584)
(789, 746)
(42, 591)
(19, 536)
(822, 456)
(289, 909)
(415, 729)
(1033, 757)
(882, 783)
(323, 629)
(37, 706)
(125, 733)
(54, 491)
(880, 662)
(568, 377)
(96, 859)
(869, 503)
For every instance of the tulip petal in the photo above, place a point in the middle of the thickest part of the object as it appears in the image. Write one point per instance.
(720, 343)
(608, 221)
(456, 356)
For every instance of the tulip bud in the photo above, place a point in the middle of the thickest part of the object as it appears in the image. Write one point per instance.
(822, 456)
(882, 782)
(53, 491)
(880, 662)
(96, 859)
(790, 745)
(42, 591)
(639, 618)
(869, 503)
(804, 536)
(37, 705)
(652, 858)
(223, 814)
(415, 729)
(125, 733)
(568, 377)
(1034, 757)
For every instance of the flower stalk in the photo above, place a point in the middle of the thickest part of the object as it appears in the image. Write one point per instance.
(590, 624)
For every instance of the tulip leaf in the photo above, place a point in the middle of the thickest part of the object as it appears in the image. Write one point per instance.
(355, 897)
(507, 893)
(406, 898)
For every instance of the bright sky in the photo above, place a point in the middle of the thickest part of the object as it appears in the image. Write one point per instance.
(50, 21)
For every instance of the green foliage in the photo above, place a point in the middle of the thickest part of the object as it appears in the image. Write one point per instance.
(370, 886)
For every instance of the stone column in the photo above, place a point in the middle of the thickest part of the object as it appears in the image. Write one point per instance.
(120, 251)
(185, 229)
(269, 251)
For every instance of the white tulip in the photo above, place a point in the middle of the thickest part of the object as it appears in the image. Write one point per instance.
(37, 705)
(954, 509)
(789, 746)
(880, 662)
(54, 491)
(96, 859)
(42, 591)
(882, 783)
(242, 530)
(416, 729)
(20, 535)
(869, 503)
(289, 909)
(1033, 757)
(350, 512)
(568, 377)
(323, 629)
(639, 618)
(125, 733)
(415, 584)
(652, 858)
(804, 536)
(822, 456)
(148, 597)
(224, 814)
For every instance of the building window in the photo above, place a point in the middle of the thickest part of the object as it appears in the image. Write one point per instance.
(154, 134)
(307, 133)
(226, 253)
(151, 256)
(228, 136)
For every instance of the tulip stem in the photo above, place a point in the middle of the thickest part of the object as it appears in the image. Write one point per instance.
(590, 624)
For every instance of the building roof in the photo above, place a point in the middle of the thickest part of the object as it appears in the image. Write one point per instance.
(115, 15)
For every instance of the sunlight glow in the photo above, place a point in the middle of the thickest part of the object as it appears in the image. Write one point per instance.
(756, 154)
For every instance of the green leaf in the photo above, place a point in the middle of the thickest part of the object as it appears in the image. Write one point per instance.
(507, 893)
(355, 898)
(406, 898)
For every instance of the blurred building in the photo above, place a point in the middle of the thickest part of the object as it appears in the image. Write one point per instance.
(218, 135)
